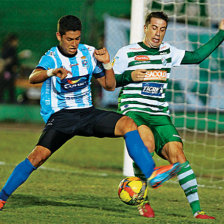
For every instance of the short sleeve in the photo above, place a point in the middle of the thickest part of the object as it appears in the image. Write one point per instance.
(98, 71)
(177, 55)
(120, 61)
(46, 62)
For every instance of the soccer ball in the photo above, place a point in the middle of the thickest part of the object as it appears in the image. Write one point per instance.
(132, 190)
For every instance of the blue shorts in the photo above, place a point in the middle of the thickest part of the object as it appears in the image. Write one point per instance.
(65, 124)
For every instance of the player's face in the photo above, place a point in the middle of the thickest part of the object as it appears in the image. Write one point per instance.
(69, 42)
(155, 32)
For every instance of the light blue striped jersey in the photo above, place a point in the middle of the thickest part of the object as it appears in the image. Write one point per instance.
(73, 92)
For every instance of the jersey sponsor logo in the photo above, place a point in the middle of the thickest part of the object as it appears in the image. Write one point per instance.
(74, 84)
(73, 81)
(136, 48)
(163, 48)
(84, 61)
(160, 75)
(142, 58)
(152, 89)
(71, 65)
(163, 53)
(52, 53)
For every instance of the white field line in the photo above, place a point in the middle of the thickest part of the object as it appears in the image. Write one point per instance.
(98, 174)
(62, 170)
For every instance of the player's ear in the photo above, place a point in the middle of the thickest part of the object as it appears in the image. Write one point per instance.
(145, 28)
(58, 35)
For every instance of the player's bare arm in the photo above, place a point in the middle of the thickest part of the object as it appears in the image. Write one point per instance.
(108, 82)
(40, 75)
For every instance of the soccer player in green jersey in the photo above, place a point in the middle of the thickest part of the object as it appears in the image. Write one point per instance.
(143, 70)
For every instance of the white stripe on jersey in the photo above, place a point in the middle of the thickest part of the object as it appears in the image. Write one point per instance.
(146, 101)
(140, 106)
(136, 110)
(139, 92)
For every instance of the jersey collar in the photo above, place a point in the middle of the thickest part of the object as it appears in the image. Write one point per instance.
(66, 55)
(152, 50)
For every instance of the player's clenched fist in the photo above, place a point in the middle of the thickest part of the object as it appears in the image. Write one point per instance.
(102, 55)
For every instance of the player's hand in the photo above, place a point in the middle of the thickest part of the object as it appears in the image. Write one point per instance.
(138, 75)
(221, 25)
(60, 72)
(102, 55)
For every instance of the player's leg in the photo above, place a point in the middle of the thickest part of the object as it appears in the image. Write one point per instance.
(140, 154)
(23, 170)
(148, 139)
(173, 152)
(48, 143)
(147, 136)
(126, 127)
(111, 124)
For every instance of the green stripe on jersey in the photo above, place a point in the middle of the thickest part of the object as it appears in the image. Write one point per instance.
(132, 54)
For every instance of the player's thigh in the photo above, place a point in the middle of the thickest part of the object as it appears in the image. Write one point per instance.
(164, 134)
(105, 123)
(52, 139)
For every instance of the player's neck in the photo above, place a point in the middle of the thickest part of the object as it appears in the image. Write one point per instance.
(145, 46)
(65, 54)
(148, 44)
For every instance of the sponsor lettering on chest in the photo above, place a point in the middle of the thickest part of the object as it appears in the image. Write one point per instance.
(152, 89)
(160, 75)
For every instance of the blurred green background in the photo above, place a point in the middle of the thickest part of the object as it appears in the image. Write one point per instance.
(35, 22)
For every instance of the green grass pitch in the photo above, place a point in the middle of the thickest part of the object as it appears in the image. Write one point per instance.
(78, 184)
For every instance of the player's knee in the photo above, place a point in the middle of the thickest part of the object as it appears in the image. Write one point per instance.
(173, 152)
(124, 125)
(39, 155)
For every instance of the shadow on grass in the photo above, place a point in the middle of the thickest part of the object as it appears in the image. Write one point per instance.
(21, 200)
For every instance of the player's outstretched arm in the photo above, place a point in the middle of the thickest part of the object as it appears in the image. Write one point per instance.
(197, 56)
(40, 75)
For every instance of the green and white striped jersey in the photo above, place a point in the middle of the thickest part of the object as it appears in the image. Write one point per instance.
(147, 96)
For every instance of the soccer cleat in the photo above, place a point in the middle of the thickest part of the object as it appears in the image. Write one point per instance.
(146, 210)
(162, 174)
(2, 203)
(202, 215)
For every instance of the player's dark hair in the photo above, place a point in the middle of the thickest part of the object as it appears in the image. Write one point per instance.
(160, 15)
(69, 23)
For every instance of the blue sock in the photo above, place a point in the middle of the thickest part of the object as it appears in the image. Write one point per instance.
(139, 153)
(18, 176)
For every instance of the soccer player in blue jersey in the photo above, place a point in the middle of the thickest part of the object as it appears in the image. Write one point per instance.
(66, 107)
